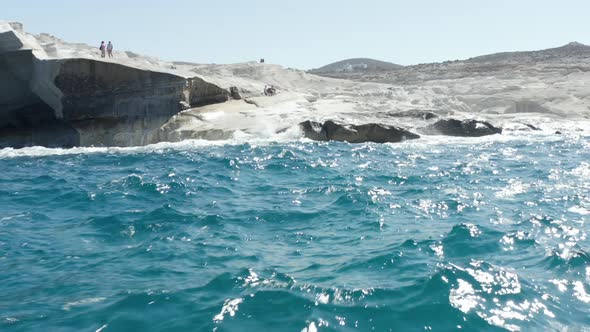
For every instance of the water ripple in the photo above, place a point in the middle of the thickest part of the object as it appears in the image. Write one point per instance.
(477, 235)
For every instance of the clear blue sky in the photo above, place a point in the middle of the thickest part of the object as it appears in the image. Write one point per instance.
(309, 33)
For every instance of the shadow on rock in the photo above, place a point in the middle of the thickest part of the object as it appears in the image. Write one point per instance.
(414, 113)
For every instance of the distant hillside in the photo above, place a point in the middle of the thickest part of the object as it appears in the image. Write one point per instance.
(571, 58)
(356, 65)
(571, 50)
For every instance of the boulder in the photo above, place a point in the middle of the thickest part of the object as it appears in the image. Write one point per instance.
(372, 132)
(235, 93)
(520, 127)
(314, 131)
(466, 128)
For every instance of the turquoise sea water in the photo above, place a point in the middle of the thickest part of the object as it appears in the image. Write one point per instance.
(297, 236)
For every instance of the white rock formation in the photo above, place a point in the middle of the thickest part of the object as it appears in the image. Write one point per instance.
(136, 100)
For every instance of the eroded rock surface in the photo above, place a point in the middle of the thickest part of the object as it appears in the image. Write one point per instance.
(82, 102)
(55, 93)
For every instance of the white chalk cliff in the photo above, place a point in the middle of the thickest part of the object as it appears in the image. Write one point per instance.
(54, 93)
(58, 94)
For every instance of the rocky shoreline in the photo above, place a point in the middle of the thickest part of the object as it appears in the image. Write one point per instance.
(56, 94)
(82, 102)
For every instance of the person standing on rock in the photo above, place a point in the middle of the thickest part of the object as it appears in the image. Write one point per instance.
(110, 49)
(102, 49)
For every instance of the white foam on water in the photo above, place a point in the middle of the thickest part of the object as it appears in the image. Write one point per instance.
(270, 136)
(582, 171)
(102, 328)
(579, 210)
(230, 307)
(311, 328)
(515, 187)
(84, 302)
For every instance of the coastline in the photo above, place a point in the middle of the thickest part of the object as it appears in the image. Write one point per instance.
(65, 95)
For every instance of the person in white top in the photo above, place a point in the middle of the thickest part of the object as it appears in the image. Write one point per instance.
(102, 49)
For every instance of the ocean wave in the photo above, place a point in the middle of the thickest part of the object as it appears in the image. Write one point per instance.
(281, 138)
(485, 235)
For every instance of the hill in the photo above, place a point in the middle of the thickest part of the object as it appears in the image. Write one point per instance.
(571, 50)
(356, 65)
(569, 58)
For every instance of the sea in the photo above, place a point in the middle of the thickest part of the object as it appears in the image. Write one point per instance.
(440, 234)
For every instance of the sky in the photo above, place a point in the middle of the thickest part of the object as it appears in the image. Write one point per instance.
(308, 34)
